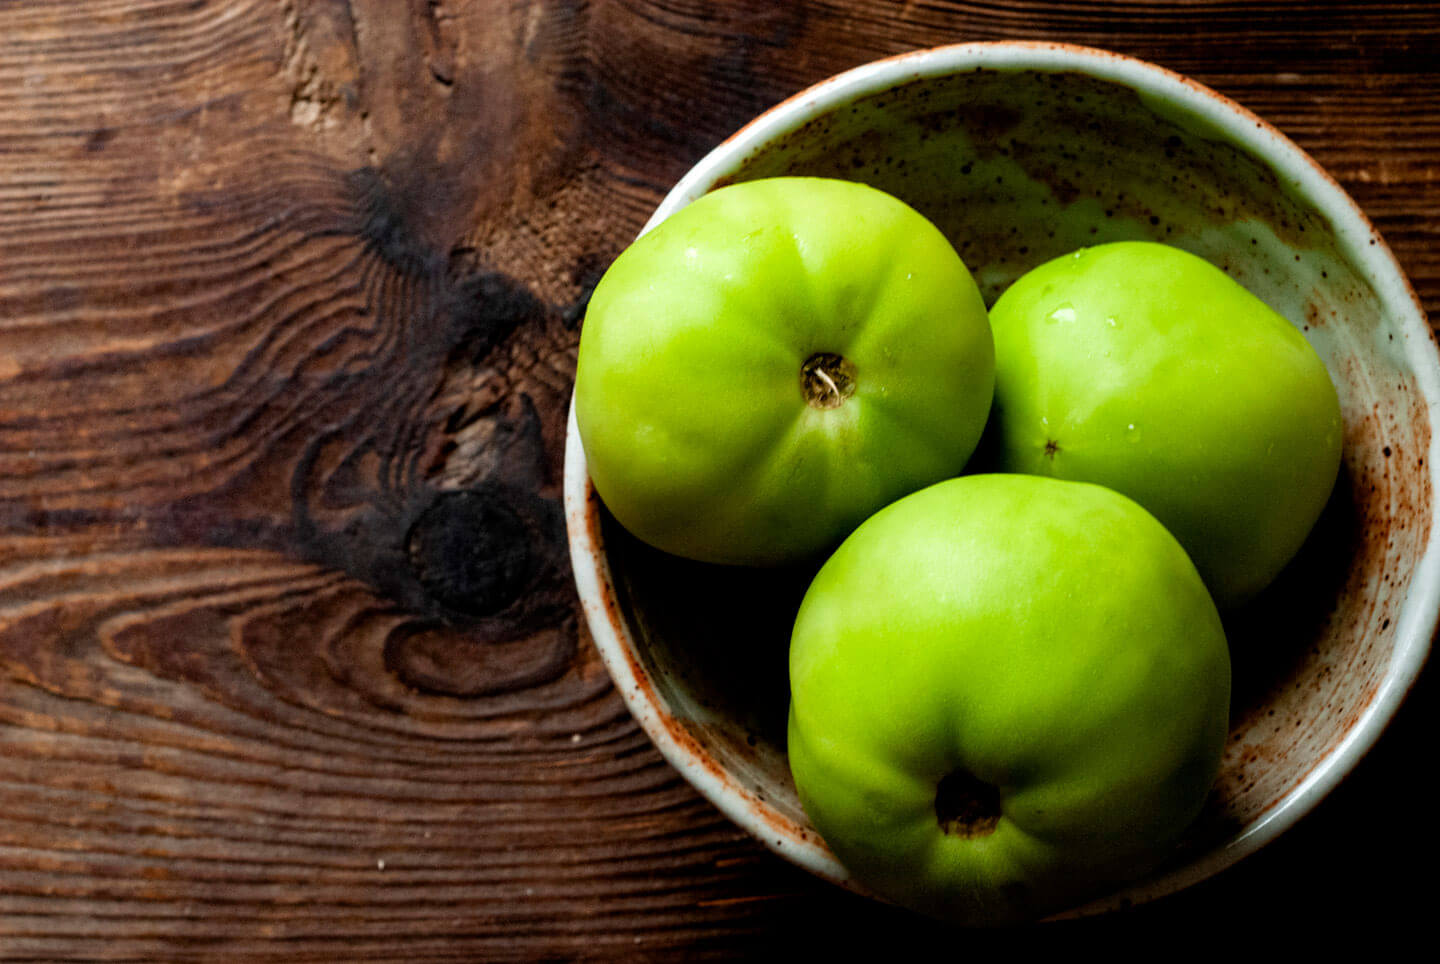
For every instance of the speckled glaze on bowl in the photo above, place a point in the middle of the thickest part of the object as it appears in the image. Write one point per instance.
(1021, 152)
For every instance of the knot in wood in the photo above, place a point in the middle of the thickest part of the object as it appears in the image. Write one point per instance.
(471, 551)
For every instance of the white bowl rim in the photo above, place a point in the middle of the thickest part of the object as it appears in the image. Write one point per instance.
(1356, 236)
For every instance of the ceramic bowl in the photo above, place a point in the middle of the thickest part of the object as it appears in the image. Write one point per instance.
(1019, 153)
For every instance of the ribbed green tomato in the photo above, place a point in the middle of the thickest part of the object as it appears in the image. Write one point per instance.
(1007, 691)
(775, 362)
(1145, 368)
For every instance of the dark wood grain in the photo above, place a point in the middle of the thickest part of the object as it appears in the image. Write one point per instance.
(289, 293)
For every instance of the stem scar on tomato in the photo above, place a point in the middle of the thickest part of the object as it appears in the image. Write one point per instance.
(827, 380)
(966, 806)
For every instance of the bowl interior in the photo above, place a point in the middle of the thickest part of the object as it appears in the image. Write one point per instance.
(1017, 166)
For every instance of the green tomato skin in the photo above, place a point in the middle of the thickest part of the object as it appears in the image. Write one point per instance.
(688, 389)
(1147, 369)
(1051, 639)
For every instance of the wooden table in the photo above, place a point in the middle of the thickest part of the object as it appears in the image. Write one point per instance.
(289, 295)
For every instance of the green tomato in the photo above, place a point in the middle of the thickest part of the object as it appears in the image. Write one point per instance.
(1006, 692)
(775, 362)
(1145, 368)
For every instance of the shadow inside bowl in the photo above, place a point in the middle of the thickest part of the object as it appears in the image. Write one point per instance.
(717, 641)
